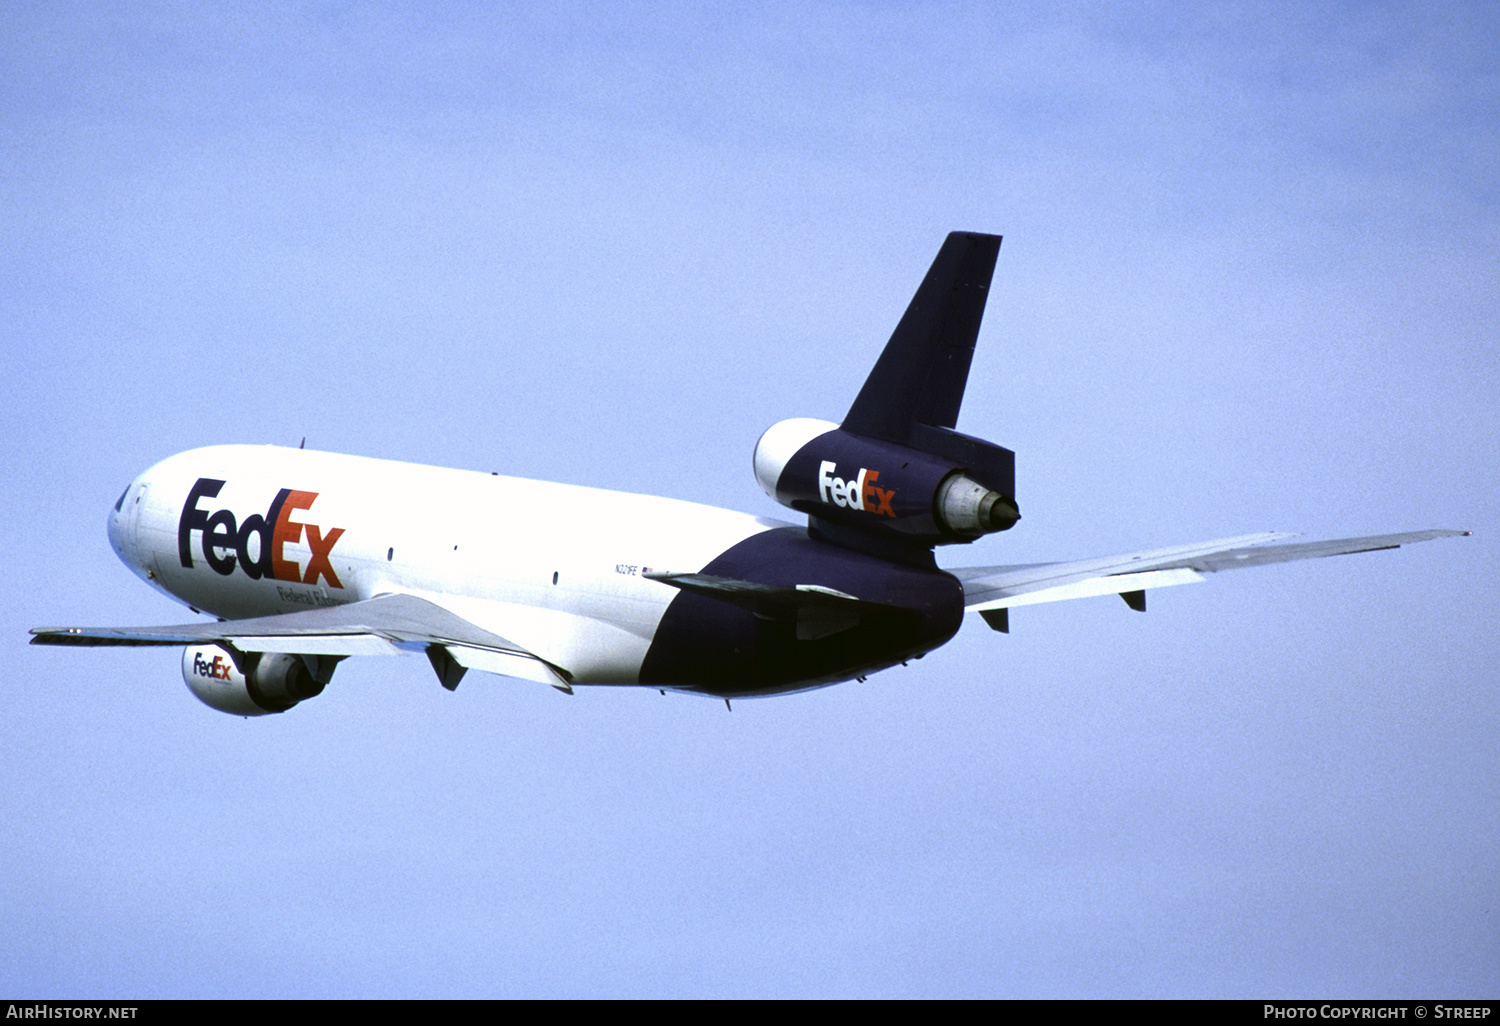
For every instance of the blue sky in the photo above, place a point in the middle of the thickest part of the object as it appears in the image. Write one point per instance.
(1249, 282)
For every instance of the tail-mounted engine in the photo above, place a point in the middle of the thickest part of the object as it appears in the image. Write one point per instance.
(895, 477)
(960, 492)
(253, 683)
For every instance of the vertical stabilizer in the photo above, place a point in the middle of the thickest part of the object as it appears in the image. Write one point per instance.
(921, 374)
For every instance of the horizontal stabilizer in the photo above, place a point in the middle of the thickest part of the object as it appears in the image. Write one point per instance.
(817, 611)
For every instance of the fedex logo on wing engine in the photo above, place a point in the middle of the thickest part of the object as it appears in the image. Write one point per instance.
(857, 492)
(218, 669)
(225, 542)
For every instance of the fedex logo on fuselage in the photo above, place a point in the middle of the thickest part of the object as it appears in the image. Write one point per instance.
(856, 493)
(225, 542)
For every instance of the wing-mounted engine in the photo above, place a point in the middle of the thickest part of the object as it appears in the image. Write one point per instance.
(252, 683)
(895, 478)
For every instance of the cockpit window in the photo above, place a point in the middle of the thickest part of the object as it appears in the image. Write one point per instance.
(121, 500)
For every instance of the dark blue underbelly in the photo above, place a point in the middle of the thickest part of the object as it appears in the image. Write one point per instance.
(706, 644)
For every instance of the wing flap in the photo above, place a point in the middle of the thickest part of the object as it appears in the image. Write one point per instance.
(510, 664)
(1115, 584)
(318, 644)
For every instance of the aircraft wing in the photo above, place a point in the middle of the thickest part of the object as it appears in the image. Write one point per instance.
(384, 625)
(991, 590)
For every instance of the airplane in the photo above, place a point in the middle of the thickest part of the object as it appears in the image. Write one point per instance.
(307, 558)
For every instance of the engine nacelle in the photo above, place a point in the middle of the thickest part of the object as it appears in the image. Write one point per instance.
(944, 488)
(252, 683)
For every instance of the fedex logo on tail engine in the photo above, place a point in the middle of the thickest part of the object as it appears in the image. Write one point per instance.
(225, 542)
(857, 492)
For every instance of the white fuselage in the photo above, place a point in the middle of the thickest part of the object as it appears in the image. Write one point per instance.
(554, 568)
